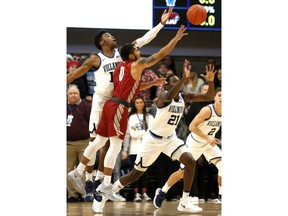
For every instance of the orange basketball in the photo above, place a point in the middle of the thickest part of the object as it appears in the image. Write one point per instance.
(196, 14)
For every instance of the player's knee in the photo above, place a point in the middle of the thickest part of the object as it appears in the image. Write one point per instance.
(218, 164)
(188, 160)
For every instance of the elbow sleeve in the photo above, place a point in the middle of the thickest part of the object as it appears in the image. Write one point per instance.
(150, 35)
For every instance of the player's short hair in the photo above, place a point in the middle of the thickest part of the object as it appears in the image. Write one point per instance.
(126, 50)
(219, 89)
(98, 38)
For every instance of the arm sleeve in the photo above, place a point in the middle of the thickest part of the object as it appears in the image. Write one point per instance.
(150, 35)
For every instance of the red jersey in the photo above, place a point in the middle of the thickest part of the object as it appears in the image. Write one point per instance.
(125, 87)
(114, 118)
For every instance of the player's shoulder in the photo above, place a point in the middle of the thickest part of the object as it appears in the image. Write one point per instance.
(206, 110)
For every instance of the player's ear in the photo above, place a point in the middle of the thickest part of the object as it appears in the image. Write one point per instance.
(101, 42)
(132, 57)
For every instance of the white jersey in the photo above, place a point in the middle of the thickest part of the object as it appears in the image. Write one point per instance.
(210, 126)
(167, 118)
(104, 74)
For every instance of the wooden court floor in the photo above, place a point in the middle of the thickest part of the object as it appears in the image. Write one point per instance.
(139, 208)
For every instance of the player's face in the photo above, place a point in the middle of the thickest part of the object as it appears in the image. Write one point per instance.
(218, 98)
(137, 53)
(109, 40)
(173, 81)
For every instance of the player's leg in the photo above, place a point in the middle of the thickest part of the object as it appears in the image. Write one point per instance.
(75, 176)
(95, 116)
(109, 164)
(149, 152)
(179, 151)
(100, 172)
(214, 155)
(160, 193)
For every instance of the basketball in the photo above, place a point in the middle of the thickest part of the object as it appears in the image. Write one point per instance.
(196, 14)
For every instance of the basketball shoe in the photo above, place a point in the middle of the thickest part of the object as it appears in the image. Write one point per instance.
(107, 192)
(89, 196)
(77, 181)
(185, 205)
(98, 203)
(158, 198)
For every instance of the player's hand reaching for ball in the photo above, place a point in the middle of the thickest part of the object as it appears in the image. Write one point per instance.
(166, 15)
(181, 32)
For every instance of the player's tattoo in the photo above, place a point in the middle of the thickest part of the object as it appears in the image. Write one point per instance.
(150, 59)
(146, 60)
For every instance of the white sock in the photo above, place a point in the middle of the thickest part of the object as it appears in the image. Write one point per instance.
(117, 186)
(81, 168)
(165, 188)
(220, 190)
(99, 175)
(89, 176)
(185, 195)
(107, 180)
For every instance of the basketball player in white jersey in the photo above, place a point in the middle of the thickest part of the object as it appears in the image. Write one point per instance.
(200, 141)
(161, 135)
(104, 64)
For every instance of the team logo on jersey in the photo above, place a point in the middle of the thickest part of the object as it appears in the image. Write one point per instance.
(176, 109)
(214, 123)
(110, 67)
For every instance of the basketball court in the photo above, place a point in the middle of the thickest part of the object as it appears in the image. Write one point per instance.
(139, 208)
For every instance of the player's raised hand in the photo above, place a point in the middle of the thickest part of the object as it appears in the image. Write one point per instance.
(166, 15)
(181, 32)
(186, 69)
(210, 73)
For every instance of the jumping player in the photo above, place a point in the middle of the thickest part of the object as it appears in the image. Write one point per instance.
(104, 65)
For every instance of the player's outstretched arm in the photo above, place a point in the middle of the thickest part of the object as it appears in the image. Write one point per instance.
(151, 34)
(83, 69)
(140, 64)
(167, 96)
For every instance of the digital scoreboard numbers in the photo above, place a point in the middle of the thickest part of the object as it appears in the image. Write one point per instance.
(180, 7)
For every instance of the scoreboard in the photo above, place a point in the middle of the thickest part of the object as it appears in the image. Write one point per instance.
(178, 17)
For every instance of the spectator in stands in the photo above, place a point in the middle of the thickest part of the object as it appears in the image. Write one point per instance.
(138, 122)
(78, 112)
